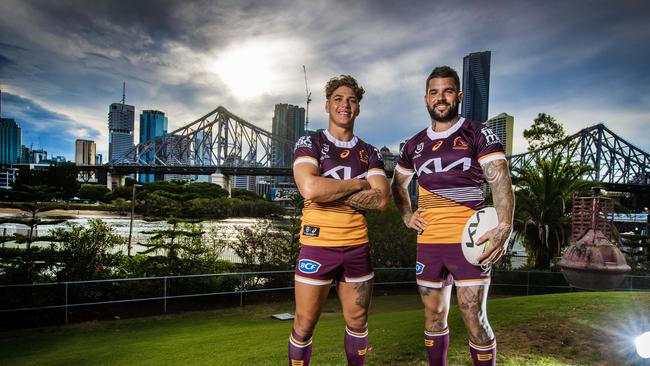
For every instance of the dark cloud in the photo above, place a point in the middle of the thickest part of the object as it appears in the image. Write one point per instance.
(5, 62)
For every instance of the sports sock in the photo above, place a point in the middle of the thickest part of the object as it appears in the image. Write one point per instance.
(484, 354)
(356, 345)
(299, 349)
(437, 343)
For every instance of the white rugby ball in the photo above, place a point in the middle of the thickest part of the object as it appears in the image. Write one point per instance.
(478, 224)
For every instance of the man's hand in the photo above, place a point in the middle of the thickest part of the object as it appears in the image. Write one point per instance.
(415, 221)
(498, 240)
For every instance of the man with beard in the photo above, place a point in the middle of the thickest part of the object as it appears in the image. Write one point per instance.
(451, 159)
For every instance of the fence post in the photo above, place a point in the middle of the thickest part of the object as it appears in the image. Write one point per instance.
(527, 281)
(165, 295)
(66, 303)
(241, 289)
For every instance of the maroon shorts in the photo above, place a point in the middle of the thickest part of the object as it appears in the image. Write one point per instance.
(439, 265)
(322, 265)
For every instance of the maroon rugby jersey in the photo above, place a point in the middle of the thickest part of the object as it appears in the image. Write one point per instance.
(335, 224)
(448, 167)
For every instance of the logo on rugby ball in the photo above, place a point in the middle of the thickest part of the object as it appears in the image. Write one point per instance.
(308, 266)
(419, 268)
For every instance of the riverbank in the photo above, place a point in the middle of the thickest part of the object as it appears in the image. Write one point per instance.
(6, 211)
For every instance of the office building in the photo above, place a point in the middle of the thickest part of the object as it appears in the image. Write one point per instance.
(503, 126)
(476, 86)
(99, 160)
(85, 152)
(10, 141)
(288, 125)
(153, 126)
(121, 119)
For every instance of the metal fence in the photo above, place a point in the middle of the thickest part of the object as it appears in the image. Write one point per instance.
(64, 297)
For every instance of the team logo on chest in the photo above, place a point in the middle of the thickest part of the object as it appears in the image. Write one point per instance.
(363, 157)
(460, 144)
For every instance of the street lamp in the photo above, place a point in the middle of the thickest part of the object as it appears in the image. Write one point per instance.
(128, 248)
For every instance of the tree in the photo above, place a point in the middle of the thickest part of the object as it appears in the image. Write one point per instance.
(392, 244)
(289, 233)
(93, 192)
(543, 192)
(182, 236)
(35, 196)
(88, 253)
(543, 132)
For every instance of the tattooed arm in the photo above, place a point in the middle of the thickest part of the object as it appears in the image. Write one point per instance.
(375, 198)
(399, 188)
(320, 189)
(498, 177)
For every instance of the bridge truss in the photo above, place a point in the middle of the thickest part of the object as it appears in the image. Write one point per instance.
(218, 139)
(616, 163)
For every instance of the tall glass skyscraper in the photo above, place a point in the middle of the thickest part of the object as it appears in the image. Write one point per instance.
(121, 118)
(289, 124)
(152, 124)
(10, 141)
(476, 86)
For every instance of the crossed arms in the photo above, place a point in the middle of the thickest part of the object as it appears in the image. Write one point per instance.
(363, 194)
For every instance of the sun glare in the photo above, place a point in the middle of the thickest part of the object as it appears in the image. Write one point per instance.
(248, 69)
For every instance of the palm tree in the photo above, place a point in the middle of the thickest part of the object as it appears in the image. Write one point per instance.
(543, 192)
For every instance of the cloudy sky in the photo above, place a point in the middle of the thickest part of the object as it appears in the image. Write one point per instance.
(63, 62)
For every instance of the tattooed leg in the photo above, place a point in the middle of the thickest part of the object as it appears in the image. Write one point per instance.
(472, 302)
(436, 332)
(355, 300)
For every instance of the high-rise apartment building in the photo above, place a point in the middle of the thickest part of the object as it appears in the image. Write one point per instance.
(10, 141)
(121, 119)
(503, 126)
(288, 124)
(85, 152)
(476, 86)
(153, 124)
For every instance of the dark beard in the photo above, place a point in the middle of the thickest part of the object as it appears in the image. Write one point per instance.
(447, 117)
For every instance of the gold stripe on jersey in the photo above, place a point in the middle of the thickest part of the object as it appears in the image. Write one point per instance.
(492, 156)
(339, 224)
(445, 219)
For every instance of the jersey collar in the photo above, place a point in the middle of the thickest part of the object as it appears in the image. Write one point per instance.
(337, 143)
(433, 135)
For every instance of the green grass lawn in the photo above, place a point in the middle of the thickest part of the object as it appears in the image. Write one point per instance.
(560, 329)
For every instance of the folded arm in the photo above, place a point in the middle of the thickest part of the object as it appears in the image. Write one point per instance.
(374, 198)
(320, 189)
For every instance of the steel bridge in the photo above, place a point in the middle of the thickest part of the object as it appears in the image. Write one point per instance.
(218, 139)
(616, 163)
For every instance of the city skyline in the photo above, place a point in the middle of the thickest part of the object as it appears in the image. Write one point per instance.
(62, 63)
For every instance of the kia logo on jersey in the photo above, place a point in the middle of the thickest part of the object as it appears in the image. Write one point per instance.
(438, 168)
(308, 266)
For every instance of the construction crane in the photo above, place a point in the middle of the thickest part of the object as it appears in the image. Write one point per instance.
(308, 94)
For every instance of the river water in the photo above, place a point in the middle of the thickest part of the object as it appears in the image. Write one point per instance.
(221, 229)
